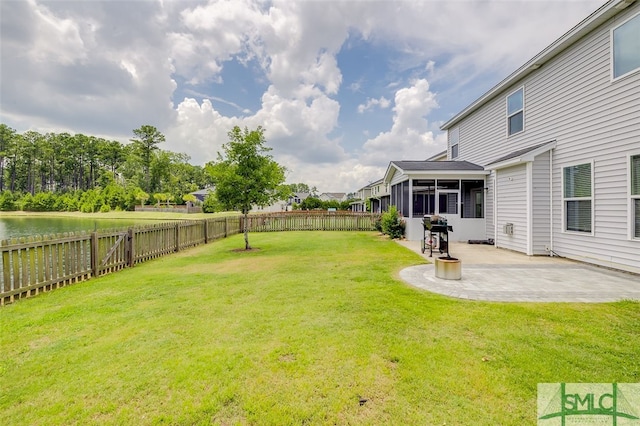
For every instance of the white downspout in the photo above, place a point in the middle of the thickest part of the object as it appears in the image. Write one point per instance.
(529, 183)
(551, 202)
(495, 209)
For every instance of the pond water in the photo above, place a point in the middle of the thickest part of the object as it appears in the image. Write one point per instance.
(24, 226)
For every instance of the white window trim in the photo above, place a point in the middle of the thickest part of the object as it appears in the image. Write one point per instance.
(613, 78)
(457, 132)
(630, 198)
(506, 106)
(592, 198)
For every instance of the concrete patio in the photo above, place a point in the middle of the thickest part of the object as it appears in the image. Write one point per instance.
(493, 274)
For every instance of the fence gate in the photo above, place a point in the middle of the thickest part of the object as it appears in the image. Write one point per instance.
(111, 252)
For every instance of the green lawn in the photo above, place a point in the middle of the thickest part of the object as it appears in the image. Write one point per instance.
(296, 332)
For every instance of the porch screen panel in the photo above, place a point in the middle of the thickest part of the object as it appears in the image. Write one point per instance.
(472, 199)
(423, 197)
(418, 205)
(448, 202)
(452, 203)
(405, 199)
(394, 196)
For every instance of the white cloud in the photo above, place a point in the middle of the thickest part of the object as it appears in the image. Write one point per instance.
(54, 39)
(69, 72)
(468, 38)
(294, 127)
(382, 102)
(409, 136)
(199, 131)
(212, 34)
(345, 176)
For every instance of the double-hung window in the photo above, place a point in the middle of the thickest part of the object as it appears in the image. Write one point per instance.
(625, 52)
(578, 198)
(515, 112)
(454, 138)
(635, 195)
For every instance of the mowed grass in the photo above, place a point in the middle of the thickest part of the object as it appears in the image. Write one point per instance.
(311, 328)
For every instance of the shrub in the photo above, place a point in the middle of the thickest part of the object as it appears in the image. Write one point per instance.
(26, 202)
(7, 202)
(43, 202)
(114, 196)
(392, 223)
(211, 204)
(91, 201)
(378, 224)
(67, 202)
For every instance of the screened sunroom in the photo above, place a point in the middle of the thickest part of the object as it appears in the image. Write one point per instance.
(452, 189)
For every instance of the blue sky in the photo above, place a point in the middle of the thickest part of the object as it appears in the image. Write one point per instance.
(341, 87)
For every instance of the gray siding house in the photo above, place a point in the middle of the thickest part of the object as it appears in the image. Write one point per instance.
(560, 141)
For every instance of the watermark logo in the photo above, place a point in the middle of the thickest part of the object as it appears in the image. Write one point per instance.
(565, 404)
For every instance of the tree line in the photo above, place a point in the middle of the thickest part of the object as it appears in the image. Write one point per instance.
(61, 171)
(77, 172)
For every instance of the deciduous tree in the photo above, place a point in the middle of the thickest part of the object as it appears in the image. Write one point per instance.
(246, 175)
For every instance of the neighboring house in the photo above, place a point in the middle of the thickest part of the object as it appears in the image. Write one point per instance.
(333, 196)
(202, 193)
(360, 197)
(296, 198)
(278, 206)
(560, 141)
(379, 196)
(282, 205)
(441, 156)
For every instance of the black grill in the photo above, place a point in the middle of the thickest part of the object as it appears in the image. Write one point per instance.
(436, 225)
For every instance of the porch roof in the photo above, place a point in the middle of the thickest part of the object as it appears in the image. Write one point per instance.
(521, 156)
(443, 168)
(432, 166)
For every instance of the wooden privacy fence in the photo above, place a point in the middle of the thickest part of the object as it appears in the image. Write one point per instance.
(32, 265)
(312, 221)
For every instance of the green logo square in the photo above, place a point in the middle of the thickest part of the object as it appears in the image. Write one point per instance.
(565, 404)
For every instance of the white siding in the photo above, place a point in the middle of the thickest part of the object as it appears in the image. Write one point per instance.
(512, 207)
(541, 204)
(572, 100)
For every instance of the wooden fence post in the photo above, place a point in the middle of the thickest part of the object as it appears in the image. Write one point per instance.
(206, 231)
(177, 237)
(94, 254)
(226, 227)
(130, 247)
(6, 267)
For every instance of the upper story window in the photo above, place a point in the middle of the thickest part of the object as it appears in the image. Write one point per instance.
(515, 112)
(626, 47)
(578, 198)
(635, 195)
(454, 138)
